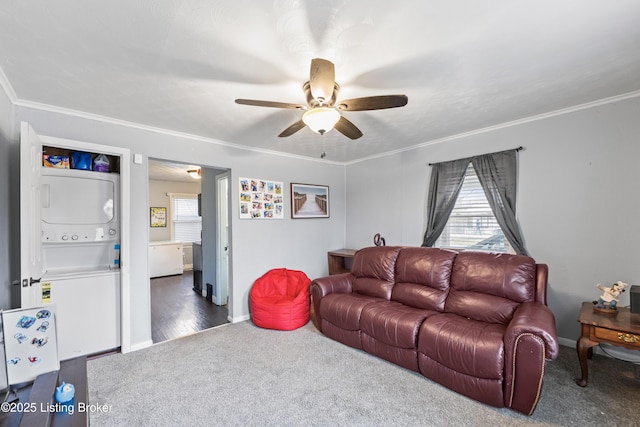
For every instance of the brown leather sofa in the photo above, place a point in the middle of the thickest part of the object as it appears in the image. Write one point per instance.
(474, 322)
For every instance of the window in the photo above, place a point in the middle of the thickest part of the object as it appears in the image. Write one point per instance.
(472, 224)
(186, 224)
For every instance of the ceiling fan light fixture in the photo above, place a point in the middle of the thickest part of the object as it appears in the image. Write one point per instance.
(321, 119)
(323, 111)
(194, 173)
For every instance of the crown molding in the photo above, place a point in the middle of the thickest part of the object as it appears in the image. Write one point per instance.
(6, 86)
(167, 132)
(90, 116)
(568, 110)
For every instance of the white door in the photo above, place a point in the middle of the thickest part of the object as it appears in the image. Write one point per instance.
(222, 268)
(30, 215)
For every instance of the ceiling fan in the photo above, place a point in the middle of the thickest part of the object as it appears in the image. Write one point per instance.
(322, 112)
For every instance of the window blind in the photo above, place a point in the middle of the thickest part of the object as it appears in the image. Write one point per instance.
(187, 225)
(472, 224)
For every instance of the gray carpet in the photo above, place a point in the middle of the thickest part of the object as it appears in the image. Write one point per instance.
(241, 375)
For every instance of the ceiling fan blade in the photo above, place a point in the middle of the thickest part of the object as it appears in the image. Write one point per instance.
(322, 79)
(373, 103)
(272, 104)
(292, 129)
(347, 128)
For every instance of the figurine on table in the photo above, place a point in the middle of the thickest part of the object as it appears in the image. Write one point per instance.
(609, 297)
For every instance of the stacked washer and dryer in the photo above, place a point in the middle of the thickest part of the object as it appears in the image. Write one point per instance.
(81, 258)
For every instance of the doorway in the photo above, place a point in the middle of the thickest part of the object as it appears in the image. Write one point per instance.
(177, 311)
(222, 231)
(183, 302)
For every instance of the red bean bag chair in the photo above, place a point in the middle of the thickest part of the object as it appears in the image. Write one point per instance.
(280, 300)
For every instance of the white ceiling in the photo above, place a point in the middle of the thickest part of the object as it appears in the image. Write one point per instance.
(170, 171)
(179, 64)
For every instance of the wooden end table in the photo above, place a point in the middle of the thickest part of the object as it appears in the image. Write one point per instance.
(339, 260)
(622, 329)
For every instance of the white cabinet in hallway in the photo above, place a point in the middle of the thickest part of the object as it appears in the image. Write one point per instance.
(165, 258)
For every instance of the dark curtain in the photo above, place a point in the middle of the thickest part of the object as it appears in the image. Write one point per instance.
(446, 181)
(497, 173)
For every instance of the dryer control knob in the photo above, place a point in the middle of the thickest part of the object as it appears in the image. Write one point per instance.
(112, 231)
(74, 237)
(65, 237)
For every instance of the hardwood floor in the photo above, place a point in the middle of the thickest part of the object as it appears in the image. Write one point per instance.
(176, 310)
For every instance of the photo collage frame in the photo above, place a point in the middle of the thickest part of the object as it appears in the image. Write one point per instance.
(261, 199)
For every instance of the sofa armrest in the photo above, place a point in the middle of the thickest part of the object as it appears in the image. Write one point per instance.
(529, 341)
(319, 288)
(536, 319)
(340, 283)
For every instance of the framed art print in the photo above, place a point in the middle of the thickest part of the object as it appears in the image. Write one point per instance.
(158, 217)
(309, 201)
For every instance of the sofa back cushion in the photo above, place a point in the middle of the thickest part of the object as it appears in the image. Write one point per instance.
(373, 271)
(489, 287)
(422, 277)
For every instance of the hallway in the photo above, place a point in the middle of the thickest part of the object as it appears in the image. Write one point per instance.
(176, 310)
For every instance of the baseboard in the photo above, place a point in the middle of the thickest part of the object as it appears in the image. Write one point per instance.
(607, 350)
(140, 346)
(567, 342)
(239, 318)
(573, 344)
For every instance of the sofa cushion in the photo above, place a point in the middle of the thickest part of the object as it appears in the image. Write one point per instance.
(466, 346)
(350, 338)
(489, 287)
(344, 310)
(422, 277)
(393, 323)
(373, 271)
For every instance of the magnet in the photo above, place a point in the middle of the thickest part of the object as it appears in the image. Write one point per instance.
(43, 314)
(20, 337)
(26, 322)
(39, 342)
(43, 326)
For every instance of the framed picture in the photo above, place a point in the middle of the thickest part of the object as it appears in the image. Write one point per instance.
(158, 217)
(261, 199)
(309, 201)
